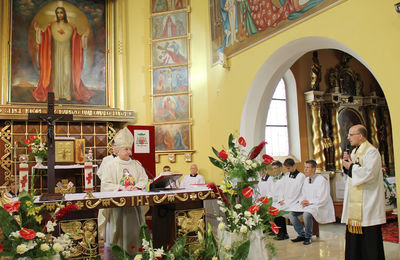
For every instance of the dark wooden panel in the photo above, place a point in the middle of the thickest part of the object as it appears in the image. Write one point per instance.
(61, 128)
(101, 140)
(101, 128)
(19, 127)
(74, 128)
(87, 128)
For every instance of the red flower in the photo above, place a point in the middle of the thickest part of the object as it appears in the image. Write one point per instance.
(274, 227)
(273, 211)
(267, 159)
(31, 138)
(27, 141)
(159, 257)
(64, 211)
(141, 249)
(247, 192)
(27, 233)
(253, 209)
(30, 148)
(12, 206)
(257, 150)
(1, 248)
(132, 246)
(264, 200)
(223, 155)
(242, 142)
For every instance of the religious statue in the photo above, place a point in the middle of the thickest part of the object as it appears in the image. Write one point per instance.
(60, 59)
(315, 72)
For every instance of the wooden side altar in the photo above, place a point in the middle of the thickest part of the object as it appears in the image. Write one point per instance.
(174, 212)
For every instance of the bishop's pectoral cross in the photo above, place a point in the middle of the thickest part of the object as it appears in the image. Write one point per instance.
(50, 118)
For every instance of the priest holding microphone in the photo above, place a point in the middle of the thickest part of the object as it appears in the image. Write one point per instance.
(364, 198)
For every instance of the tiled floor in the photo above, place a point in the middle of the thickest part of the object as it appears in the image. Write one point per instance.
(329, 246)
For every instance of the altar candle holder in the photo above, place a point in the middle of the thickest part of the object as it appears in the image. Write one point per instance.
(89, 175)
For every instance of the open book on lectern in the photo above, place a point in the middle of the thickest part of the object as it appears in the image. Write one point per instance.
(165, 181)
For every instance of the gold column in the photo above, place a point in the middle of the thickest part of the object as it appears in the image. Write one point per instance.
(336, 137)
(389, 139)
(121, 64)
(5, 11)
(318, 154)
(373, 126)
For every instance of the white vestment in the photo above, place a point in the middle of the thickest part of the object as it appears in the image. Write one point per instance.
(188, 181)
(318, 194)
(370, 174)
(291, 190)
(105, 160)
(272, 188)
(124, 223)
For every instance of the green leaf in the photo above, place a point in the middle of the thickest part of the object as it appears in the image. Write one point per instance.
(215, 151)
(145, 233)
(8, 222)
(242, 251)
(179, 250)
(216, 162)
(119, 253)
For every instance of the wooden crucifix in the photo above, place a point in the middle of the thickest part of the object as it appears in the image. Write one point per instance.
(50, 118)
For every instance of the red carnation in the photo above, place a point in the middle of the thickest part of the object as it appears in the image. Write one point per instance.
(12, 206)
(1, 248)
(247, 192)
(267, 159)
(27, 233)
(263, 200)
(274, 227)
(273, 211)
(242, 142)
(257, 150)
(64, 211)
(223, 155)
(253, 209)
(141, 249)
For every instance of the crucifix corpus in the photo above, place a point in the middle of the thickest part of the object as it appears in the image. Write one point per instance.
(50, 118)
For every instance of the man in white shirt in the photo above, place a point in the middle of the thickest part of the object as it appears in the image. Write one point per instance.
(193, 178)
(315, 201)
(364, 198)
(274, 189)
(292, 183)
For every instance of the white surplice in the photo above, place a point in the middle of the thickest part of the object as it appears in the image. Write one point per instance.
(123, 224)
(291, 190)
(104, 162)
(188, 181)
(273, 188)
(370, 174)
(318, 194)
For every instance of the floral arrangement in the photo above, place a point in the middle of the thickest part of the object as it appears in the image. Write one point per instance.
(206, 249)
(390, 189)
(24, 234)
(35, 147)
(245, 211)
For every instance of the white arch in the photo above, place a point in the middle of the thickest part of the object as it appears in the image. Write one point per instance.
(255, 109)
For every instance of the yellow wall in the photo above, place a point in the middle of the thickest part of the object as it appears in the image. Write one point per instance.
(369, 28)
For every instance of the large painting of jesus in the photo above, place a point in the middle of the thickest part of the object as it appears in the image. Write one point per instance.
(58, 46)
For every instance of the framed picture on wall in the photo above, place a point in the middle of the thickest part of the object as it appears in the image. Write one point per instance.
(172, 137)
(170, 80)
(74, 65)
(167, 5)
(172, 52)
(171, 108)
(169, 25)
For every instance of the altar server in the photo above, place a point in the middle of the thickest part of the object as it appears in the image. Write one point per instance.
(193, 178)
(315, 201)
(292, 183)
(262, 184)
(364, 198)
(122, 225)
(274, 189)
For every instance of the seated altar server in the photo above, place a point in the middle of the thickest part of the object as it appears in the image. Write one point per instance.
(193, 178)
(262, 183)
(121, 226)
(274, 189)
(292, 183)
(315, 201)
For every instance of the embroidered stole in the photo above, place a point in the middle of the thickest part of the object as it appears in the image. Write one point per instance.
(356, 194)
